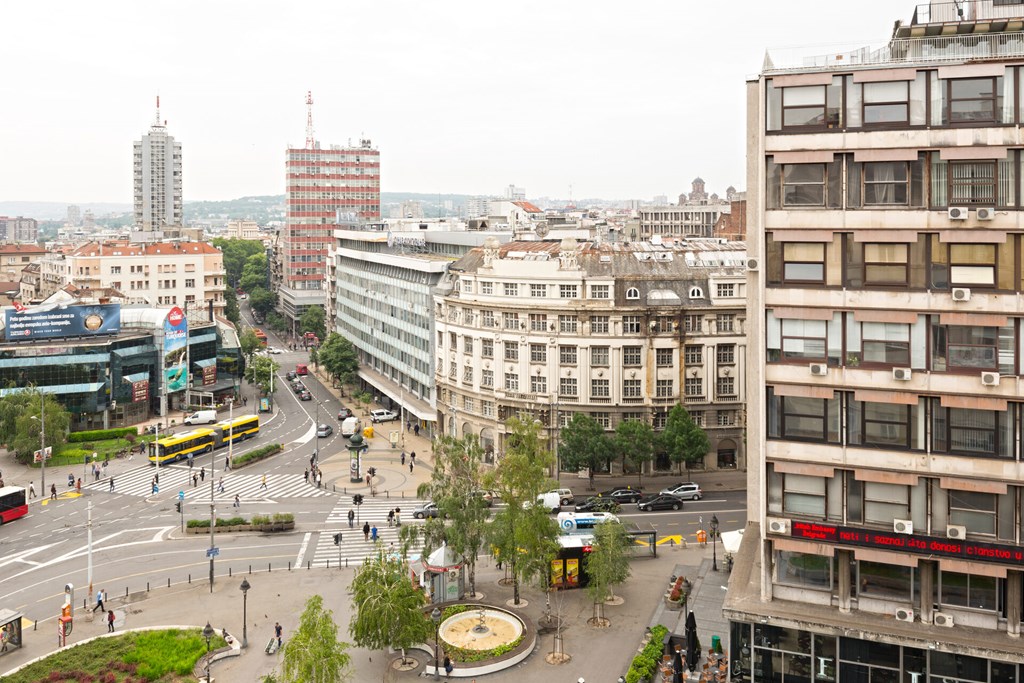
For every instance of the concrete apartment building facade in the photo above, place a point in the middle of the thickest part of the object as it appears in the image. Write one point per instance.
(325, 189)
(885, 361)
(162, 274)
(546, 329)
(19, 229)
(157, 178)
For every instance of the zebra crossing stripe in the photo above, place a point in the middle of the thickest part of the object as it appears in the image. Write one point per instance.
(139, 482)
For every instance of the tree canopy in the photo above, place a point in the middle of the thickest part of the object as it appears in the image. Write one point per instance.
(259, 370)
(583, 444)
(20, 425)
(339, 357)
(313, 321)
(249, 342)
(236, 253)
(231, 311)
(262, 301)
(255, 273)
(683, 439)
(635, 442)
(608, 561)
(314, 654)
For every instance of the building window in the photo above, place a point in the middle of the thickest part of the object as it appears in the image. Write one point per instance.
(631, 388)
(694, 355)
(511, 381)
(599, 356)
(882, 425)
(538, 353)
(538, 322)
(467, 374)
(725, 290)
(664, 324)
(487, 287)
(888, 582)
(968, 590)
(972, 182)
(603, 419)
(803, 495)
(966, 349)
(511, 288)
(726, 354)
(803, 570)
(632, 294)
(803, 185)
(510, 321)
(631, 356)
(511, 350)
(115, 270)
(886, 183)
(453, 340)
(726, 418)
(487, 408)
(810, 106)
(539, 384)
(726, 386)
(189, 282)
(886, 264)
(803, 340)
(976, 511)
(797, 418)
(467, 344)
(599, 324)
(467, 404)
(487, 379)
(538, 291)
(567, 355)
(665, 388)
(453, 370)
(694, 387)
(631, 324)
(886, 343)
(467, 286)
(600, 291)
(693, 323)
(567, 386)
(568, 291)
(600, 389)
(886, 103)
(487, 319)
(696, 293)
(724, 322)
(568, 323)
(803, 263)
(972, 265)
(487, 348)
(697, 416)
(963, 431)
(973, 100)
(664, 358)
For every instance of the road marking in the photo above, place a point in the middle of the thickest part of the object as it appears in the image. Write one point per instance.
(302, 548)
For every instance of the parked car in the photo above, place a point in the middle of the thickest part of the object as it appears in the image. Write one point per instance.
(425, 510)
(565, 496)
(345, 413)
(659, 501)
(290, 375)
(486, 496)
(383, 415)
(623, 494)
(598, 504)
(298, 387)
(301, 369)
(274, 350)
(686, 491)
(305, 396)
(324, 430)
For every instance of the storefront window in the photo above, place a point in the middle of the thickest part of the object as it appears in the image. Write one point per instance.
(969, 590)
(813, 572)
(885, 581)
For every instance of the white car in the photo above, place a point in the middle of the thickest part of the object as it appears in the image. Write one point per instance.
(274, 350)
(684, 491)
(383, 415)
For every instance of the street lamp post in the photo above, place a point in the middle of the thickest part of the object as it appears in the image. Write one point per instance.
(208, 635)
(714, 542)
(245, 622)
(435, 616)
(42, 440)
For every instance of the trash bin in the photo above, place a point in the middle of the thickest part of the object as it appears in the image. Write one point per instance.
(368, 432)
(394, 439)
(716, 644)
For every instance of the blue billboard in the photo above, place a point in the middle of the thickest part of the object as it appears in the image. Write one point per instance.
(54, 322)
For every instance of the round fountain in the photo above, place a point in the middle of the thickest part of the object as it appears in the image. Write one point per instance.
(482, 628)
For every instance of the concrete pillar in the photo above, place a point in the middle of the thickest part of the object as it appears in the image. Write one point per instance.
(927, 569)
(1013, 600)
(767, 570)
(844, 580)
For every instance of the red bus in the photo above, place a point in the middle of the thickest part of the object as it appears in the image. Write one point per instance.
(12, 503)
(261, 335)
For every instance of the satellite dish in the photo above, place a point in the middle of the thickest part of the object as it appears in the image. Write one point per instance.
(541, 230)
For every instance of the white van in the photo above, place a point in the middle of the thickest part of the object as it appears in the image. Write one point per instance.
(202, 417)
(549, 501)
(350, 426)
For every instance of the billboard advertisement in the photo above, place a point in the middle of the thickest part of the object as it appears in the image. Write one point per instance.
(45, 322)
(175, 351)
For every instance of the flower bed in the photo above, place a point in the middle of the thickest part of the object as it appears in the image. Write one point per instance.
(256, 455)
(279, 521)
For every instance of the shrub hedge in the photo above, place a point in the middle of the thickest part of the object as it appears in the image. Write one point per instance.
(101, 434)
(646, 661)
(256, 455)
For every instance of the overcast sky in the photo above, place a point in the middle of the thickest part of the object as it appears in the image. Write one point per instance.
(618, 100)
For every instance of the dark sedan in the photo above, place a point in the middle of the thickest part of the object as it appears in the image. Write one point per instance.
(345, 413)
(305, 396)
(623, 494)
(598, 504)
(660, 501)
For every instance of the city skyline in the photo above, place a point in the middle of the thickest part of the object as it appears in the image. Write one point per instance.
(458, 99)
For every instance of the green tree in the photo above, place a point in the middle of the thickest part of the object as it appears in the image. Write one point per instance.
(389, 609)
(255, 273)
(522, 532)
(262, 301)
(314, 653)
(634, 440)
(236, 253)
(278, 323)
(259, 371)
(249, 342)
(313, 321)
(608, 561)
(455, 486)
(339, 357)
(583, 444)
(20, 425)
(231, 311)
(683, 439)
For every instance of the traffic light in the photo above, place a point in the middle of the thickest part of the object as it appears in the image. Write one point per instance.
(177, 506)
(337, 539)
(357, 499)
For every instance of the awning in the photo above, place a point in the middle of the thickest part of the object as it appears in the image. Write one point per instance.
(136, 377)
(731, 540)
(209, 362)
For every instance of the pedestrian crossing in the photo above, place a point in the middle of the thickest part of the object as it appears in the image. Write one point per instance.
(354, 549)
(175, 478)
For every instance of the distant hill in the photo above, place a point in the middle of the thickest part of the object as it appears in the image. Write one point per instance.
(58, 211)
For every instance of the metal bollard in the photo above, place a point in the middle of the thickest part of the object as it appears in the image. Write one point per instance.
(268, 567)
(147, 586)
(250, 569)
(328, 563)
(387, 494)
(308, 564)
(168, 582)
(289, 565)
(190, 578)
(229, 572)
(126, 591)
(346, 563)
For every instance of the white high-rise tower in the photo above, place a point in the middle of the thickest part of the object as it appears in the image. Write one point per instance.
(157, 172)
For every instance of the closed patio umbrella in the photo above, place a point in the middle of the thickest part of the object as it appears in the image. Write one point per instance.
(692, 646)
(677, 666)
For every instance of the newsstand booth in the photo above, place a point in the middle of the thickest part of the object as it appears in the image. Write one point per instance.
(568, 567)
(441, 575)
(10, 623)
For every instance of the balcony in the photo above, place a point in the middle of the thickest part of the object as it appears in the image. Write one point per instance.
(692, 399)
(632, 399)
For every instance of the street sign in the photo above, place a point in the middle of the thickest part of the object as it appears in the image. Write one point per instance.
(212, 552)
(38, 455)
(181, 495)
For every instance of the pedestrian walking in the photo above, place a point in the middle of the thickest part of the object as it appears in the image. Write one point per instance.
(31, 490)
(277, 632)
(416, 429)
(373, 533)
(227, 463)
(366, 531)
(195, 479)
(100, 596)
(202, 474)
(111, 483)
(403, 457)
(351, 518)
(237, 502)
(305, 475)
(410, 467)
(319, 478)
(78, 486)
(398, 516)
(391, 518)
(53, 491)
(220, 486)
(110, 621)
(368, 479)
(263, 483)
(412, 456)
(245, 401)
(448, 666)
(190, 461)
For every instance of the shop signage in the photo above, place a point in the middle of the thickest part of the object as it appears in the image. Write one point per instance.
(54, 322)
(209, 375)
(140, 391)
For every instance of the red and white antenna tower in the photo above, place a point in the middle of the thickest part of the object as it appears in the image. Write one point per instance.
(157, 122)
(310, 141)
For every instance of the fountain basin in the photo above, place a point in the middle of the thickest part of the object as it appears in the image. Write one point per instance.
(481, 629)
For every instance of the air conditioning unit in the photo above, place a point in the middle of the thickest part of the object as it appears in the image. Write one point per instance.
(961, 294)
(956, 531)
(777, 525)
(984, 214)
(990, 379)
(943, 619)
(903, 526)
(904, 614)
(753, 264)
(819, 369)
(957, 213)
(902, 374)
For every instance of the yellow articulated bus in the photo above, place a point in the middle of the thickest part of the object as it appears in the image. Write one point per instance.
(238, 429)
(181, 446)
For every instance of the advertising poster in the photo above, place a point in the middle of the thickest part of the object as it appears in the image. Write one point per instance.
(209, 375)
(175, 351)
(572, 572)
(556, 573)
(54, 322)
(140, 391)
